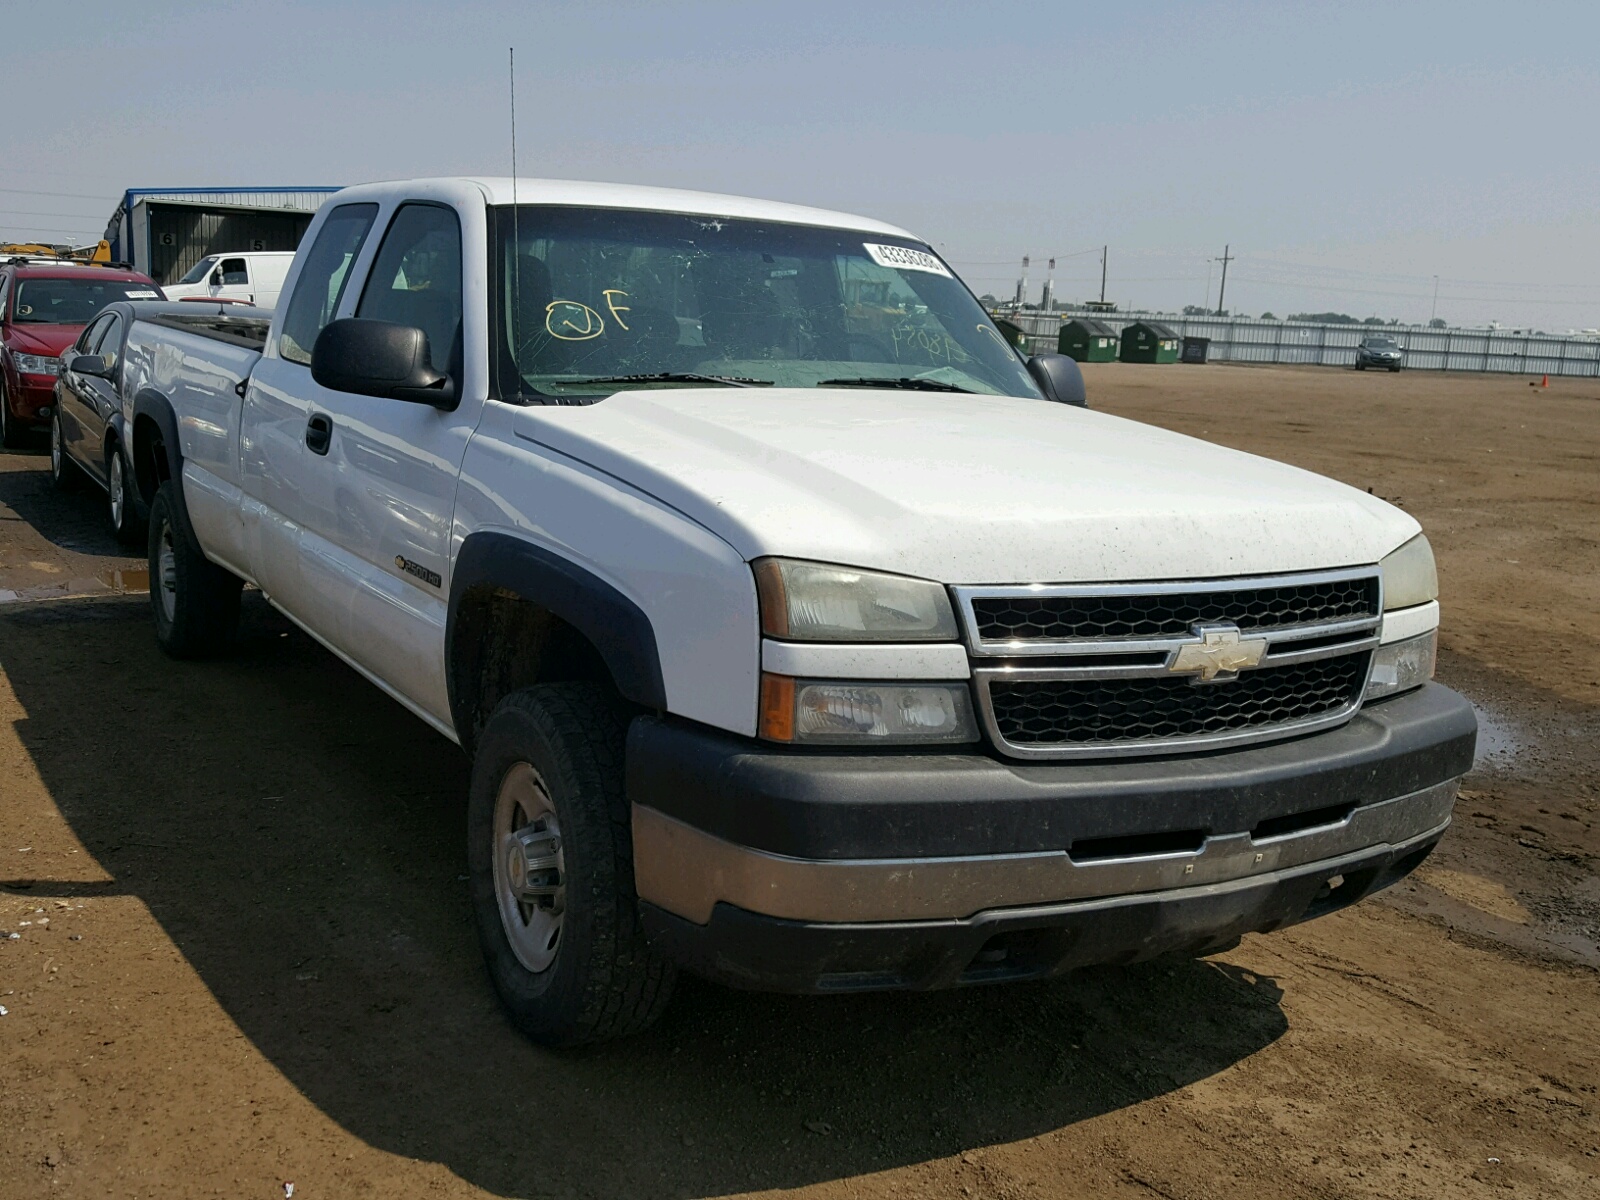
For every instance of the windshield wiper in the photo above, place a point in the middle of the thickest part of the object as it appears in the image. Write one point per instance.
(669, 377)
(904, 382)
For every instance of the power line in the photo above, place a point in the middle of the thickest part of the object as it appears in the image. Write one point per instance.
(80, 231)
(33, 212)
(64, 195)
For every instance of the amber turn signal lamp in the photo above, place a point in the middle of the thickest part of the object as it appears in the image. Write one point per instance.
(774, 601)
(777, 708)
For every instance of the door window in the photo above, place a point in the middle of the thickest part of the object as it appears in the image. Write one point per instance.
(234, 271)
(90, 337)
(322, 279)
(416, 280)
(109, 340)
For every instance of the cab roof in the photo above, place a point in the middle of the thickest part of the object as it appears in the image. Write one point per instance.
(580, 193)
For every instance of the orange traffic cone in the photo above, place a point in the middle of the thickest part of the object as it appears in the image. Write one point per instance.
(1546, 382)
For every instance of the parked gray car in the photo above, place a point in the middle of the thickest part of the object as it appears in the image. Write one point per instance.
(1380, 352)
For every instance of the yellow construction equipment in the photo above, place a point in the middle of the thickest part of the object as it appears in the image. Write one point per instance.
(100, 252)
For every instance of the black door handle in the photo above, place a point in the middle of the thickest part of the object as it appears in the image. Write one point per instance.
(319, 434)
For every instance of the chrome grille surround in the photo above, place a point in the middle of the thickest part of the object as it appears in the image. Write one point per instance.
(1142, 657)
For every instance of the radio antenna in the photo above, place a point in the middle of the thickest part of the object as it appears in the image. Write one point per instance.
(516, 236)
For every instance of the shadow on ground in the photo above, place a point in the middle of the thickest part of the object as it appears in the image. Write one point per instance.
(298, 836)
(74, 520)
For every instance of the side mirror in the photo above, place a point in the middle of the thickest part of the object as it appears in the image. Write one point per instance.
(216, 277)
(99, 365)
(1058, 378)
(379, 358)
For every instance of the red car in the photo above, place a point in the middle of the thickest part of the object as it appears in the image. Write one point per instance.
(43, 307)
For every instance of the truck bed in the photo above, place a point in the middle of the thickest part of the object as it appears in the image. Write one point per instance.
(247, 328)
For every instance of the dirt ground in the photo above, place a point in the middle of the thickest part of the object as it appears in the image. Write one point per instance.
(245, 957)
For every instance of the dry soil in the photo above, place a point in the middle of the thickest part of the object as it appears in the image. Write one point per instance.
(246, 960)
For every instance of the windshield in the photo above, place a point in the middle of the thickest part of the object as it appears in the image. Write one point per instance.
(200, 270)
(1381, 344)
(73, 301)
(586, 297)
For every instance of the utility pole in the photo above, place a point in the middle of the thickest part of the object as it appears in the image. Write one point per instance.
(1222, 289)
(1435, 311)
(1103, 250)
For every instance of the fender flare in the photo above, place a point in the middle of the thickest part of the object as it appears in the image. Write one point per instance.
(616, 626)
(151, 404)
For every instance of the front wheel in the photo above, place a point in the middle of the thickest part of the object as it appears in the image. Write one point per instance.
(12, 433)
(550, 851)
(195, 602)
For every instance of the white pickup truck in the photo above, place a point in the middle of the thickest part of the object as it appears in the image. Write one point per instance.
(800, 634)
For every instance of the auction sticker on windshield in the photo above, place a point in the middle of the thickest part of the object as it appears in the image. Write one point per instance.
(904, 258)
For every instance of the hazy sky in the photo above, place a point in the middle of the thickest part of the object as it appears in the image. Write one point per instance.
(1348, 155)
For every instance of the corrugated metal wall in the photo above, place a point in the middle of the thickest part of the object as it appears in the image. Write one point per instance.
(182, 234)
(1251, 341)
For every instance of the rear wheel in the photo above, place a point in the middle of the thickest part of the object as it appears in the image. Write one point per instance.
(120, 513)
(195, 602)
(63, 471)
(550, 850)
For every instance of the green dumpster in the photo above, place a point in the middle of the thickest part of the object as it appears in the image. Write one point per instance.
(1149, 342)
(1087, 340)
(1013, 334)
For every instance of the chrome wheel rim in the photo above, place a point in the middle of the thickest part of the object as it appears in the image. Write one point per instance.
(530, 881)
(114, 489)
(167, 572)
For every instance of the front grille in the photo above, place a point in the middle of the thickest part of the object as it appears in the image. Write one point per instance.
(1115, 712)
(1073, 618)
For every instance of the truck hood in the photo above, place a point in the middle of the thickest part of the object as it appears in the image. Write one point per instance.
(49, 340)
(966, 489)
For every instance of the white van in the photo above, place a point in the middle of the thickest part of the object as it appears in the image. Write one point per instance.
(250, 277)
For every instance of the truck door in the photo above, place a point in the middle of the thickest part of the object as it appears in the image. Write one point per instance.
(283, 469)
(393, 467)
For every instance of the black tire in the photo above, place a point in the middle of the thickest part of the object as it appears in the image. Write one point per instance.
(1361, 366)
(604, 980)
(64, 473)
(1394, 370)
(121, 514)
(195, 602)
(13, 435)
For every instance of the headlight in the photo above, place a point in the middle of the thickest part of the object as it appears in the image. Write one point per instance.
(840, 714)
(816, 602)
(1401, 666)
(1409, 576)
(38, 364)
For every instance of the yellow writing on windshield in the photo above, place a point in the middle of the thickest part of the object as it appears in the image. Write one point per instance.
(617, 310)
(572, 322)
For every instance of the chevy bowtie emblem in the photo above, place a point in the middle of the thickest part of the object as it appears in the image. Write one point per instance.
(1219, 654)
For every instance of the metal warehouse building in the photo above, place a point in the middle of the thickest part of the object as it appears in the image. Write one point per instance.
(165, 231)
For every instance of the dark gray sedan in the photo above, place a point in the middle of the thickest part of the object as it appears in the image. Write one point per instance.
(1380, 352)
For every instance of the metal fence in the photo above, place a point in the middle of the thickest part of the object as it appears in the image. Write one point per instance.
(1243, 340)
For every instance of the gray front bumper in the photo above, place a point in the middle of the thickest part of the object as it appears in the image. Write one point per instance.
(687, 872)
